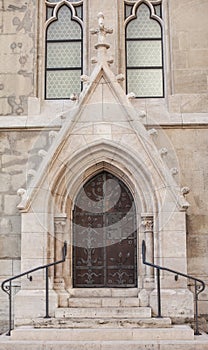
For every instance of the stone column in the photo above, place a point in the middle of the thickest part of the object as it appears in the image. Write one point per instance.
(59, 231)
(147, 222)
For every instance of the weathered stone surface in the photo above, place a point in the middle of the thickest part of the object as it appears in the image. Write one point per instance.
(174, 333)
(10, 204)
(10, 246)
(181, 303)
(183, 114)
(190, 81)
(5, 182)
(104, 312)
(94, 323)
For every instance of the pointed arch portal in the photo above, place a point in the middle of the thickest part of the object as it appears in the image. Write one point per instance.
(104, 234)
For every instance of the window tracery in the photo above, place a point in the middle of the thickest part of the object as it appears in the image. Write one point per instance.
(64, 46)
(144, 48)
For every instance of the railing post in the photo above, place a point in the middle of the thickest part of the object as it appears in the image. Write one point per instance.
(202, 287)
(47, 295)
(10, 308)
(8, 288)
(159, 315)
(196, 311)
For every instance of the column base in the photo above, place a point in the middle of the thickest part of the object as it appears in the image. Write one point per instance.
(30, 304)
(175, 303)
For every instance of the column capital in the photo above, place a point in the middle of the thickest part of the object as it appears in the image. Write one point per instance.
(147, 222)
(60, 223)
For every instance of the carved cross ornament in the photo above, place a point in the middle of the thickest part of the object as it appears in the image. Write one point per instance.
(102, 30)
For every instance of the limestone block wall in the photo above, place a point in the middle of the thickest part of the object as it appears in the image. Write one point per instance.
(182, 110)
(18, 154)
(191, 145)
(188, 25)
(185, 51)
(188, 33)
(18, 55)
(19, 148)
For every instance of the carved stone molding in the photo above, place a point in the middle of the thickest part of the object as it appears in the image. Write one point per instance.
(59, 224)
(147, 223)
(102, 46)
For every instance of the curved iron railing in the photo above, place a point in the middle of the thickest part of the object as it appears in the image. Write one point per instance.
(7, 288)
(197, 290)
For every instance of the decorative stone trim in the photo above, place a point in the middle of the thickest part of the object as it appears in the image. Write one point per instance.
(148, 225)
(59, 231)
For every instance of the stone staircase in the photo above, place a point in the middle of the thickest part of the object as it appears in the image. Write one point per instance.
(103, 323)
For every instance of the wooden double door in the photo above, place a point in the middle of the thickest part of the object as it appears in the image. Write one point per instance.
(104, 234)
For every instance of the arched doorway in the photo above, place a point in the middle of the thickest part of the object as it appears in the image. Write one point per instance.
(104, 234)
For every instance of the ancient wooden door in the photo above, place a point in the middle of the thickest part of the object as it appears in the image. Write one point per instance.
(104, 234)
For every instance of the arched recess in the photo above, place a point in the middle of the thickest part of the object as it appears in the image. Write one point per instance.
(104, 234)
(138, 176)
(88, 163)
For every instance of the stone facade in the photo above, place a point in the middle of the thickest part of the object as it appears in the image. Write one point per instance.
(168, 136)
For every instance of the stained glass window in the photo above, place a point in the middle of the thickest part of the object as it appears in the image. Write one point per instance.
(63, 55)
(144, 53)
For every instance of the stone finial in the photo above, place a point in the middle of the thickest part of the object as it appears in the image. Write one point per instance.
(174, 171)
(141, 114)
(52, 135)
(31, 173)
(94, 60)
(185, 190)
(22, 193)
(102, 46)
(85, 78)
(131, 96)
(152, 132)
(73, 97)
(42, 153)
(163, 152)
(110, 60)
(120, 78)
(102, 31)
(182, 201)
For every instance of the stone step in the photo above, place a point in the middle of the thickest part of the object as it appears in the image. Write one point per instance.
(102, 323)
(198, 344)
(104, 292)
(134, 334)
(104, 312)
(103, 302)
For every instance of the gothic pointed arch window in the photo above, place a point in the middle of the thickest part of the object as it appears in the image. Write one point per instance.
(64, 49)
(144, 48)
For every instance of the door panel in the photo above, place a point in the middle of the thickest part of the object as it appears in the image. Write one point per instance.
(104, 234)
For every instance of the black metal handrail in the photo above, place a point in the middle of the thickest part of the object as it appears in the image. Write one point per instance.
(197, 290)
(7, 288)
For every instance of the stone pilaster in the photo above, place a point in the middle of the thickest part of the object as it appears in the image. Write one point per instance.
(147, 223)
(59, 230)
